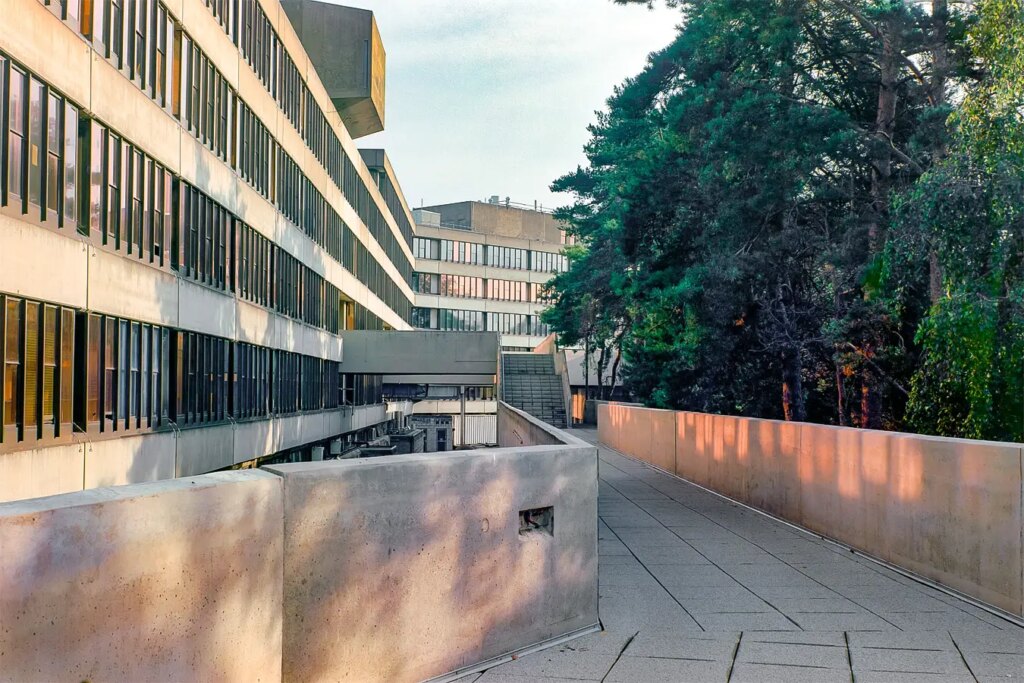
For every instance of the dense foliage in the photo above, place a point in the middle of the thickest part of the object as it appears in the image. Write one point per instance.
(812, 210)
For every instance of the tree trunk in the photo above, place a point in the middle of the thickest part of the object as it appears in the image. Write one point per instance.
(586, 368)
(601, 362)
(841, 396)
(870, 395)
(793, 407)
(617, 347)
(885, 126)
(937, 88)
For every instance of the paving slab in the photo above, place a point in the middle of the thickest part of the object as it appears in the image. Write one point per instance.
(696, 588)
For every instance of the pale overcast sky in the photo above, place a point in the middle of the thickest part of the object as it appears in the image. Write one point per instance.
(490, 97)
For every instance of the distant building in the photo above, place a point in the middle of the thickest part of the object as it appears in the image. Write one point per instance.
(482, 266)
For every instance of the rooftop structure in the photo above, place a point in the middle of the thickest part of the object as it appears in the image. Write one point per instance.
(345, 48)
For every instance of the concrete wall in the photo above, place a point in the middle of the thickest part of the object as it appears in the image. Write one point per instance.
(409, 567)
(518, 428)
(397, 568)
(176, 581)
(949, 510)
(421, 352)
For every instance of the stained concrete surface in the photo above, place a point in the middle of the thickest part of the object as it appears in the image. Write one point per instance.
(696, 588)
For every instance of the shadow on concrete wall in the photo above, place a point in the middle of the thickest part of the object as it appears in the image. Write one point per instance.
(425, 574)
(177, 585)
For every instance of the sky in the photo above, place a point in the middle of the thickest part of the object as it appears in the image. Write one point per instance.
(493, 97)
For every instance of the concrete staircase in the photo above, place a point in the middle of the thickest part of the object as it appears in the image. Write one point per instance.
(529, 382)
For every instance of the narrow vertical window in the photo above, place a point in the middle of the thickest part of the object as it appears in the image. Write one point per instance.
(31, 370)
(133, 376)
(115, 38)
(145, 361)
(97, 186)
(12, 368)
(109, 373)
(54, 145)
(49, 364)
(113, 179)
(70, 166)
(66, 361)
(122, 374)
(17, 114)
(37, 100)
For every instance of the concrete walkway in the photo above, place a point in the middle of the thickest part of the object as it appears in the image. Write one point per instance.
(695, 588)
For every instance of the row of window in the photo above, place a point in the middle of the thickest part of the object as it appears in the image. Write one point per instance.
(478, 321)
(438, 392)
(474, 253)
(68, 371)
(131, 204)
(140, 38)
(248, 26)
(468, 286)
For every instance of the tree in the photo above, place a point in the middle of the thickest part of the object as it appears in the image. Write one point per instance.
(739, 240)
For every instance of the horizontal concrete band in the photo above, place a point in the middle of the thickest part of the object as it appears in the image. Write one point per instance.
(949, 510)
(398, 568)
(136, 458)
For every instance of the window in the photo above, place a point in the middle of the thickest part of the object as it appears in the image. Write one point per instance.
(112, 211)
(115, 31)
(38, 356)
(17, 117)
(12, 369)
(70, 219)
(35, 142)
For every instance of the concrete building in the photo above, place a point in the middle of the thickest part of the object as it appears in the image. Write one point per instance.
(482, 266)
(187, 230)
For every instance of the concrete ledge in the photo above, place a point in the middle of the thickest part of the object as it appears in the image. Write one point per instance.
(519, 428)
(174, 580)
(411, 567)
(949, 510)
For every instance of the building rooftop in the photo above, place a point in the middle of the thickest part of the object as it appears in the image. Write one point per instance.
(500, 218)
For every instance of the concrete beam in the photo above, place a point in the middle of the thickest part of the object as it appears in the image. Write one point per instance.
(422, 352)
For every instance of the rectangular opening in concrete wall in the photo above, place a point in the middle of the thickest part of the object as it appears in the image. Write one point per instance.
(537, 521)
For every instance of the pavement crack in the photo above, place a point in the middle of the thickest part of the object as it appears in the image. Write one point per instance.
(849, 657)
(735, 653)
(619, 656)
(962, 658)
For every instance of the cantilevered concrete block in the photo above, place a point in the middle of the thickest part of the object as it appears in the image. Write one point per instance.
(347, 52)
(409, 567)
(175, 580)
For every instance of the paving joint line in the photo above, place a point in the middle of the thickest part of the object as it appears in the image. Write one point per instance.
(712, 562)
(823, 585)
(842, 549)
(656, 579)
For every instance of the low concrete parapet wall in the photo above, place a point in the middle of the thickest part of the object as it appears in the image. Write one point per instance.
(399, 568)
(412, 567)
(949, 510)
(177, 580)
(519, 428)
